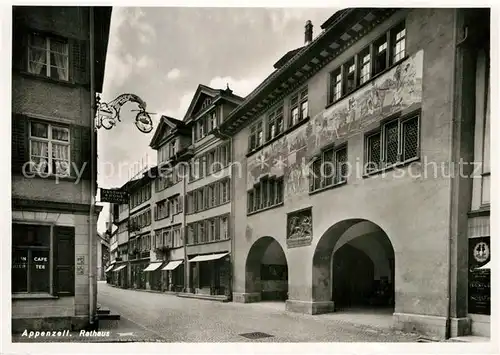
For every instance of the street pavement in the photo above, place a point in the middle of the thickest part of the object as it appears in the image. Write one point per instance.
(168, 318)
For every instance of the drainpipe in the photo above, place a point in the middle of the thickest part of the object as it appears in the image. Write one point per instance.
(185, 230)
(93, 176)
(453, 110)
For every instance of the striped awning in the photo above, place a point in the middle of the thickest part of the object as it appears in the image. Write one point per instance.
(208, 257)
(153, 266)
(172, 265)
(120, 268)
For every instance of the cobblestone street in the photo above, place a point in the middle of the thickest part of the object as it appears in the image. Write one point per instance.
(173, 319)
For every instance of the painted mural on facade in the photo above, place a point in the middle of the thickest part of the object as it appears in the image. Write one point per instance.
(399, 89)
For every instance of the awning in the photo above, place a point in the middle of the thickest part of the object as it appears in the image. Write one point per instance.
(153, 266)
(109, 268)
(172, 265)
(208, 257)
(486, 266)
(120, 267)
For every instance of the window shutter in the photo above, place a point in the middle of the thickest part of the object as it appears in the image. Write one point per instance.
(19, 48)
(64, 261)
(80, 151)
(20, 142)
(79, 61)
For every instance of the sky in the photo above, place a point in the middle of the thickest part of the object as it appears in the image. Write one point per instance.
(162, 54)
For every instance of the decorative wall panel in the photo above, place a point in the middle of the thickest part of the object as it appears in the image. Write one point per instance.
(400, 89)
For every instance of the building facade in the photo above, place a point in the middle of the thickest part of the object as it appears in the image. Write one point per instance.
(102, 256)
(172, 140)
(178, 229)
(118, 273)
(208, 194)
(345, 196)
(58, 66)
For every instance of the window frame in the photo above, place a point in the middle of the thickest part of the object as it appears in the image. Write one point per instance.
(260, 198)
(389, 39)
(334, 180)
(50, 141)
(48, 51)
(29, 248)
(381, 130)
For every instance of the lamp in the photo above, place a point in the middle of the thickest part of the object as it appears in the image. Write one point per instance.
(108, 114)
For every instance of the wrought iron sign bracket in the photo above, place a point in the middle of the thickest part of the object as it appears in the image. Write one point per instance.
(108, 114)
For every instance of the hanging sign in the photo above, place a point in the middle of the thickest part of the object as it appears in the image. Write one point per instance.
(114, 196)
(479, 278)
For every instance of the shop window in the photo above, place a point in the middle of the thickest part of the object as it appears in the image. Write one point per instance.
(33, 259)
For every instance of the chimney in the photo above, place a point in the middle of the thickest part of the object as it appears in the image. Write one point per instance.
(308, 33)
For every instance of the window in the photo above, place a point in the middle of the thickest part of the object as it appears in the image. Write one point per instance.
(31, 259)
(223, 228)
(211, 229)
(201, 232)
(275, 123)
(349, 76)
(211, 161)
(399, 43)
(329, 169)
(294, 114)
(387, 50)
(201, 129)
(299, 107)
(365, 64)
(336, 88)
(206, 103)
(256, 136)
(35, 252)
(49, 149)
(179, 204)
(190, 234)
(213, 120)
(267, 193)
(381, 56)
(225, 191)
(48, 56)
(173, 149)
(396, 142)
(211, 193)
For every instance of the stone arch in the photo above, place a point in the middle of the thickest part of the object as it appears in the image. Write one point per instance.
(254, 284)
(360, 236)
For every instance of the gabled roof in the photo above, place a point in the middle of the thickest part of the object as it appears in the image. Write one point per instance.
(202, 93)
(286, 58)
(165, 123)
